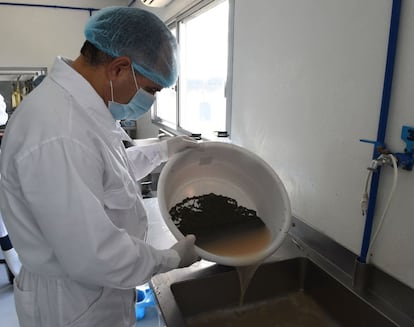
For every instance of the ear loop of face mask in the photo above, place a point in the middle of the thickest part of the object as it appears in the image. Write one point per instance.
(112, 90)
(139, 104)
(135, 81)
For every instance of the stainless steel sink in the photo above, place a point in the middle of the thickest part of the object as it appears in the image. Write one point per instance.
(293, 292)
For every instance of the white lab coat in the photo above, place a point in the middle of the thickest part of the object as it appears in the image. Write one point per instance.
(71, 205)
(3, 114)
(9, 254)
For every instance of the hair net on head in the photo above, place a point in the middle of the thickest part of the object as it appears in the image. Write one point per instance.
(140, 35)
(3, 114)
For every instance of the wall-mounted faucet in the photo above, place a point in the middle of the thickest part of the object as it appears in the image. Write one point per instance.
(406, 159)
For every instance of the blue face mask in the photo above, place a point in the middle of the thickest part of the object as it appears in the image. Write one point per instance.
(134, 109)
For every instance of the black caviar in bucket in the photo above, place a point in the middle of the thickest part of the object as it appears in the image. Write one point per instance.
(210, 217)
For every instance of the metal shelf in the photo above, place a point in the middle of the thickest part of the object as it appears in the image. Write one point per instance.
(21, 73)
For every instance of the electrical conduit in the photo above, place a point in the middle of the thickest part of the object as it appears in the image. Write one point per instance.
(48, 6)
(55, 6)
(382, 126)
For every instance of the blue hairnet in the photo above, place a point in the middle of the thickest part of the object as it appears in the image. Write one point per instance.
(140, 35)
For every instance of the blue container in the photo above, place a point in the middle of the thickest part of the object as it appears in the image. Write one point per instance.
(145, 298)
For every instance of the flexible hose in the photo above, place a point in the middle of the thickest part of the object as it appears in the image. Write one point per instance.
(384, 213)
(365, 197)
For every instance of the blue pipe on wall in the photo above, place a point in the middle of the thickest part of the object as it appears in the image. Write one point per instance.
(48, 6)
(382, 125)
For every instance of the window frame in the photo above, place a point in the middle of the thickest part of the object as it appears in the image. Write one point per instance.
(174, 22)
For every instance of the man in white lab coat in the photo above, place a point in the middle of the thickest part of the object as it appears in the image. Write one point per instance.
(68, 190)
(9, 253)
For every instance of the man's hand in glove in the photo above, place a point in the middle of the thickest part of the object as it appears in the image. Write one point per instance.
(180, 143)
(186, 250)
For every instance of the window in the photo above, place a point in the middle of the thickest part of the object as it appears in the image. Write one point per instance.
(199, 103)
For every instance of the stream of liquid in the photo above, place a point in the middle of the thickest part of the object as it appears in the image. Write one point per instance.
(245, 276)
(242, 244)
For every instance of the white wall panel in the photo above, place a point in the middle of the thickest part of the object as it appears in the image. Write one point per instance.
(34, 36)
(308, 79)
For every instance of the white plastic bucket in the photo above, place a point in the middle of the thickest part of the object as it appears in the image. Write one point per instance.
(232, 171)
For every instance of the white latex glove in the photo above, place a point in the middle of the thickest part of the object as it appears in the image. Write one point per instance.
(186, 251)
(12, 260)
(180, 143)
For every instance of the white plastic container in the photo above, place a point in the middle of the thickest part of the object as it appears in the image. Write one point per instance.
(232, 171)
